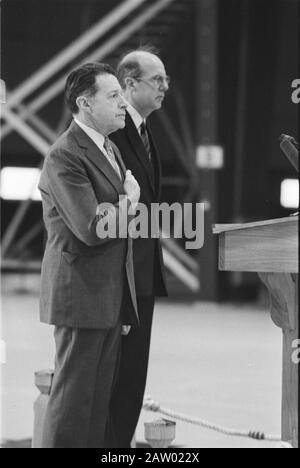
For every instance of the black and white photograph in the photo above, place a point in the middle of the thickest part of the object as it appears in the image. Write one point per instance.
(149, 196)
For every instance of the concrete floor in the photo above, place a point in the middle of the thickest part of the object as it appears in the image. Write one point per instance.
(221, 363)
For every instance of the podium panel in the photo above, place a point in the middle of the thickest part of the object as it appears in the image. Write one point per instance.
(270, 248)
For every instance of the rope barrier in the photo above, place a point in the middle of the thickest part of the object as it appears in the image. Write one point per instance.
(151, 405)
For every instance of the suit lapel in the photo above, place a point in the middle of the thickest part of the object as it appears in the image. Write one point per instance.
(96, 156)
(139, 149)
(155, 163)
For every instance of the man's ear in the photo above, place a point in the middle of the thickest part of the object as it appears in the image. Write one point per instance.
(130, 83)
(82, 103)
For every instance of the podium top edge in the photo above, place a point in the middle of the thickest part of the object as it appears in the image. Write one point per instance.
(219, 228)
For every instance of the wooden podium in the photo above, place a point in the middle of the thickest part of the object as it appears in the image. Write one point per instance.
(270, 248)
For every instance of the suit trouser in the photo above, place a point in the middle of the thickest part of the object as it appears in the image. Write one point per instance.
(130, 383)
(85, 365)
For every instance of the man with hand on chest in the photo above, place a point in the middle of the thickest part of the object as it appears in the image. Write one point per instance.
(143, 78)
(86, 276)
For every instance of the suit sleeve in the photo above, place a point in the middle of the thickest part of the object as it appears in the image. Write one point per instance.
(76, 202)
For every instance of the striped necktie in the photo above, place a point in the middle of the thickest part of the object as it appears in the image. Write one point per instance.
(145, 138)
(111, 156)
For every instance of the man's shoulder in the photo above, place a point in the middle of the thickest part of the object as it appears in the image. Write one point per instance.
(119, 134)
(65, 152)
(65, 143)
(120, 140)
(122, 136)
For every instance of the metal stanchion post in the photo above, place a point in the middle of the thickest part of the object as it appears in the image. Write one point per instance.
(160, 433)
(43, 381)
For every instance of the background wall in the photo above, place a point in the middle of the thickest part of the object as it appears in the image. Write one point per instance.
(258, 54)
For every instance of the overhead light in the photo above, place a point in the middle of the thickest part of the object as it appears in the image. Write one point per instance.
(2, 92)
(20, 183)
(289, 193)
(210, 157)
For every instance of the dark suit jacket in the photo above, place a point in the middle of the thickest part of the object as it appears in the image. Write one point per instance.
(147, 253)
(83, 276)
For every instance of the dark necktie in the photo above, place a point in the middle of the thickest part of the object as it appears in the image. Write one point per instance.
(145, 139)
(111, 155)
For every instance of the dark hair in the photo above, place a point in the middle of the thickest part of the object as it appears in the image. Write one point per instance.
(83, 81)
(129, 65)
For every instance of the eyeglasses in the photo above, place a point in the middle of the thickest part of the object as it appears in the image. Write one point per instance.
(157, 80)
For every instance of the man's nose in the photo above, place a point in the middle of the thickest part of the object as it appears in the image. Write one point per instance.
(123, 102)
(165, 86)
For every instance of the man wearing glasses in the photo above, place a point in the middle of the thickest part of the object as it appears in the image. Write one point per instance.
(143, 78)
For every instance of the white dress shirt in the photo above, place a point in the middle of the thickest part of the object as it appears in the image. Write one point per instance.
(97, 138)
(136, 117)
(99, 141)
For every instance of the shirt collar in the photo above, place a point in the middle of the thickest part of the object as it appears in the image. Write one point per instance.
(97, 137)
(136, 117)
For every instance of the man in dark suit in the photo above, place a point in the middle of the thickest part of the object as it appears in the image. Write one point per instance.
(143, 78)
(86, 276)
